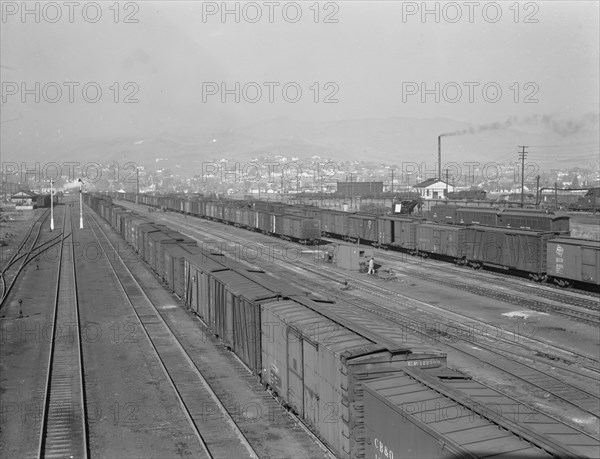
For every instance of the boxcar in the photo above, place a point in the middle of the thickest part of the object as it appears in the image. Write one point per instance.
(533, 219)
(334, 223)
(197, 270)
(174, 265)
(317, 367)
(398, 231)
(572, 259)
(235, 314)
(477, 216)
(508, 249)
(405, 418)
(363, 227)
(443, 214)
(441, 240)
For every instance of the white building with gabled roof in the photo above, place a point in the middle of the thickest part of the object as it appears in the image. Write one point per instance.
(433, 189)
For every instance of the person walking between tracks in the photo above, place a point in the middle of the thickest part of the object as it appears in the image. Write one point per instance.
(371, 266)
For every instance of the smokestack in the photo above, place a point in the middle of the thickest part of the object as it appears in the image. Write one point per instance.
(440, 157)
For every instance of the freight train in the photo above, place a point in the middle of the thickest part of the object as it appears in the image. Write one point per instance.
(350, 385)
(511, 240)
(313, 360)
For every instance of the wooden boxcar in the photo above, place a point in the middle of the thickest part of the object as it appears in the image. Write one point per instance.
(446, 241)
(571, 259)
(477, 216)
(533, 219)
(508, 249)
(398, 231)
(443, 214)
(235, 312)
(317, 367)
(334, 223)
(197, 270)
(363, 227)
(407, 418)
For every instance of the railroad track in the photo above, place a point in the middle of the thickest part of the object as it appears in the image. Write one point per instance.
(215, 428)
(23, 251)
(64, 431)
(538, 379)
(504, 359)
(515, 285)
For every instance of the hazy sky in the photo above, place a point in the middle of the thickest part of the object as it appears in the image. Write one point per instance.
(372, 59)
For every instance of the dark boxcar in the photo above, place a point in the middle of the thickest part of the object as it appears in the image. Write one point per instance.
(235, 307)
(318, 367)
(300, 228)
(508, 249)
(197, 271)
(533, 219)
(443, 214)
(444, 240)
(334, 223)
(574, 259)
(398, 231)
(363, 227)
(174, 265)
(404, 418)
(477, 216)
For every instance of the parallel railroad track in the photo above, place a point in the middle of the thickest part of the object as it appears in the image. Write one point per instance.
(544, 381)
(216, 431)
(64, 431)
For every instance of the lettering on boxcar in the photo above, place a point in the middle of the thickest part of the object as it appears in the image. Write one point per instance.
(382, 451)
(423, 363)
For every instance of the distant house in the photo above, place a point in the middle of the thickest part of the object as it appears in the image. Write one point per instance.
(433, 189)
(24, 199)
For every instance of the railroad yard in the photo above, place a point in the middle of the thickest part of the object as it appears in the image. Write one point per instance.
(238, 344)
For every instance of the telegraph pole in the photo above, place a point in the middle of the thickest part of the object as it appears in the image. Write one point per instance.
(537, 191)
(522, 156)
(392, 181)
(137, 186)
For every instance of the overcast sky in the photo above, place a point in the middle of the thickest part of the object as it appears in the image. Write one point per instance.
(372, 59)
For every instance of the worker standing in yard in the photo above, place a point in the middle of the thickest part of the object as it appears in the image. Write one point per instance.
(371, 266)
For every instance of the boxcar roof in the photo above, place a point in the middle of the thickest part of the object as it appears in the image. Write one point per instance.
(503, 229)
(243, 286)
(547, 432)
(454, 424)
(202, 262)
(486, 210)
(321, 330)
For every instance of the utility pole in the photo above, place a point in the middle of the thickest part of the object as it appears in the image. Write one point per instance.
(537, 191)
(522, 156)
(555, 196)
(137, 186)
(392, 181)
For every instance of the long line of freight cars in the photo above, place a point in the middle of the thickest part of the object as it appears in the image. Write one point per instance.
(521, 241)
(360, 393)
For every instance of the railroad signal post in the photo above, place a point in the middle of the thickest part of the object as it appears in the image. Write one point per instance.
(80, 205)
